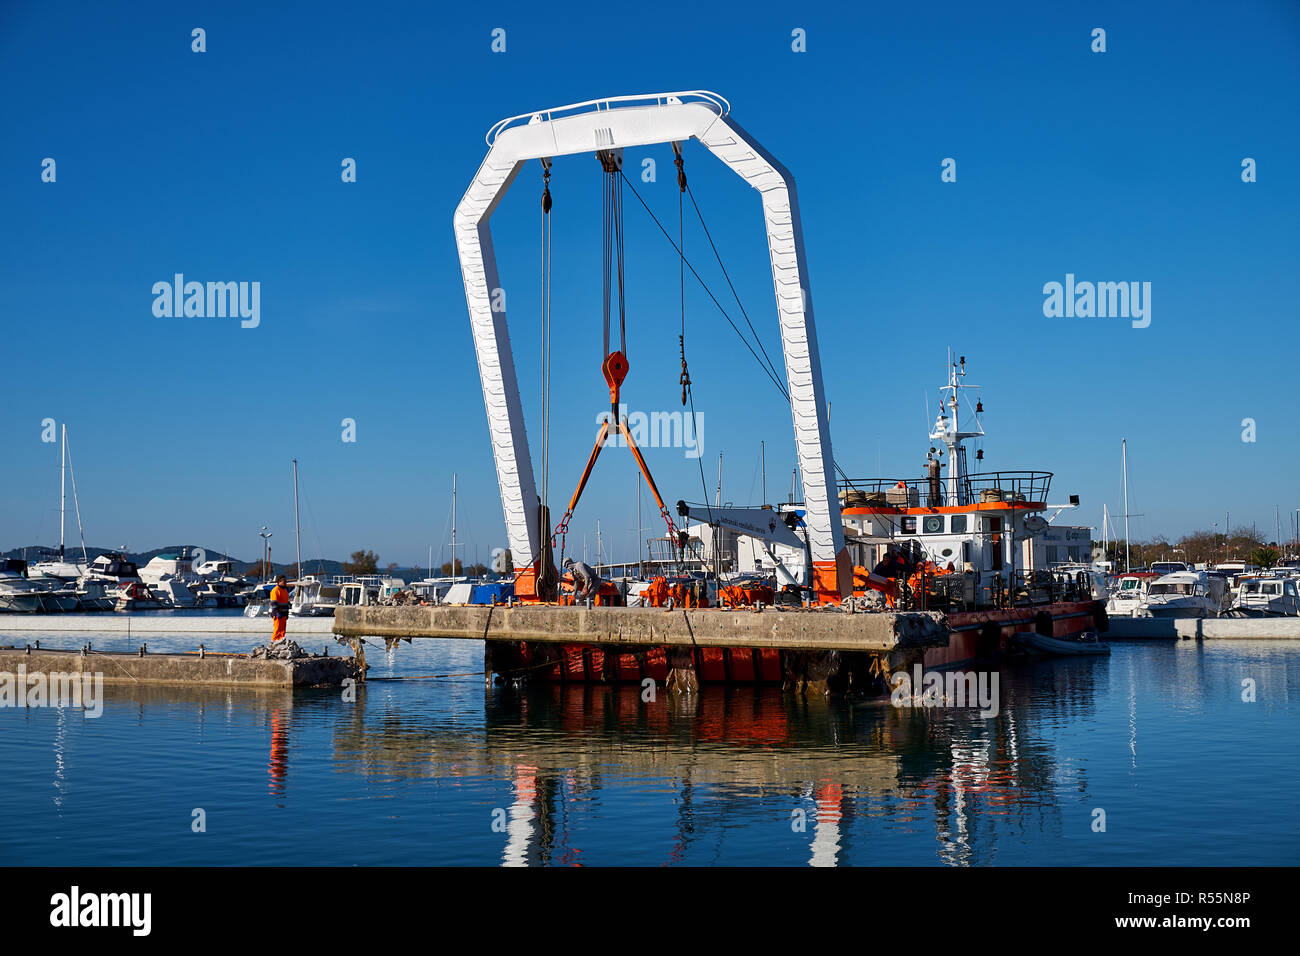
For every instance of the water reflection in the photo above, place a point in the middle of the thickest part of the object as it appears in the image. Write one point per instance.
(594, 774)
(946, 771)
(822, 782)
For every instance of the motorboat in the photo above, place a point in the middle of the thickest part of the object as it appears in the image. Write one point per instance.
(218, 585)
(174, 593)
(313, 597)
(133, 596)
(257, 602)
(58, 597)
(172, 579)
(17, 592)
(361, 592)
(113, 568)
(1267, 596)
(1183, 594)
(1129, 593)
(434, 590)
(92, 595)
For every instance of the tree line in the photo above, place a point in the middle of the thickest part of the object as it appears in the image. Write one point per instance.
(1200, 547)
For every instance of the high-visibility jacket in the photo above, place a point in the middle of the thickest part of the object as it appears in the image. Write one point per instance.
(280, 601)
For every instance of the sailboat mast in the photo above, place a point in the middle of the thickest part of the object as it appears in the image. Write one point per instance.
(76, 503)
(453, 526)
(297, 537)
(63, 489)
(1104, 516)
(1124, 461)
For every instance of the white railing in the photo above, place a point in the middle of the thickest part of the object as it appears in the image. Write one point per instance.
(719, 104)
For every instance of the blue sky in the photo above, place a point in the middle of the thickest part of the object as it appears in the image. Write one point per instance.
(225, 165)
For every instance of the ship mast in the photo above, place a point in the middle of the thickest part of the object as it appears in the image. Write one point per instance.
(1123, 450)
(297, 537)
(63, 490)
(947, 429)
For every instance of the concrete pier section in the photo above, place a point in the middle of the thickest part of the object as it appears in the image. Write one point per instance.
(1209, 628)
(144, 623)
(793, 629)
(189, 669)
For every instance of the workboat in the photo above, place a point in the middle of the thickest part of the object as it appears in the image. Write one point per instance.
(962, 543)
(1183, 594)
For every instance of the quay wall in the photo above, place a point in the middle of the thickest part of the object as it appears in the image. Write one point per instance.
(792, 629)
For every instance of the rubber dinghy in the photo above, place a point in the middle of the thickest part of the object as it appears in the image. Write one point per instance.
(1086, 643)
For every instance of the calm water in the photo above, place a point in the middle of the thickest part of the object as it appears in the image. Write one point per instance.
(444, 772)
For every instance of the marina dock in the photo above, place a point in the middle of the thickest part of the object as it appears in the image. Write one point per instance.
(177, 669)
(790, 630)
(806, 651)
(1208, 628)
(155, 623)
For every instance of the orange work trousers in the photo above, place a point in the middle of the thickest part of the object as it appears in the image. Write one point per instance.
(278, 634)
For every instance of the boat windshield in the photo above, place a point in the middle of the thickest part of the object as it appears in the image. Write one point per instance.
(1273, 588)
(1173, 589)
(1130, 584)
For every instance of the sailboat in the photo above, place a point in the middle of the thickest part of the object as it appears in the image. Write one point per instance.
(57, 579)
(61, 569)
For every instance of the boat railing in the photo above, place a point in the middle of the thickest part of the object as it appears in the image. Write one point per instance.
(1012, 487)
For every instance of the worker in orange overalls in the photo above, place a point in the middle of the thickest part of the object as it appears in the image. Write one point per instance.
(279, 608)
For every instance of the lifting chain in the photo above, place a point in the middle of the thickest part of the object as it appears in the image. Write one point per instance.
(686, 375)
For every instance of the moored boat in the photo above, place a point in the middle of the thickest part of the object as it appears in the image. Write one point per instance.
(1076, 645)
(952, 543)
(1183, 594)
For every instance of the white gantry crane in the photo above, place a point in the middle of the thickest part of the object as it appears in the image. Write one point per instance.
(606, 127)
